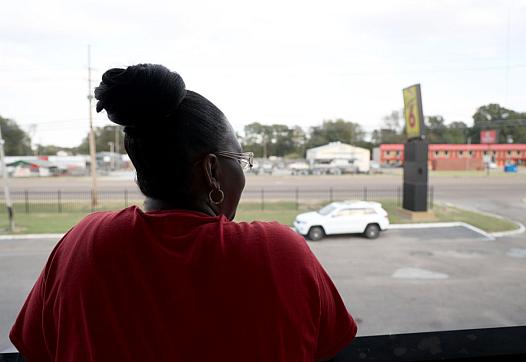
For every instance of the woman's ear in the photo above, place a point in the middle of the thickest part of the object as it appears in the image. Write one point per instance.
(211, 171)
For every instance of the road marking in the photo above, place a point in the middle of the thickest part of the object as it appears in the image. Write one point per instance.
(417, 273)
(477, 230)
(517, 253)
(461, 254)
(427, 225)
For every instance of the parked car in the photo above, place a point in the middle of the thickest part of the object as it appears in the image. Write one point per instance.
(365, 217)
(375, 167)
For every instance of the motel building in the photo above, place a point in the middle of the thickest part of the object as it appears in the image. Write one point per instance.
(460, 156)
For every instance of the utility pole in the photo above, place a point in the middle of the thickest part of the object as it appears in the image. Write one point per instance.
(264, 146)
(92, 150)
(32, 130)
(112, 153)
(7, 195)
(117, 140)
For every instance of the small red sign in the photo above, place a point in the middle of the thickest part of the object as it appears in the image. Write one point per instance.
(488, 136)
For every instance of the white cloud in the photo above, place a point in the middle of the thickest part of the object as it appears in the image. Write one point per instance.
(296, 62)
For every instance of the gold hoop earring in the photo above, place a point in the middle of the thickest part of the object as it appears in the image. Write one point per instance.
(221, 197)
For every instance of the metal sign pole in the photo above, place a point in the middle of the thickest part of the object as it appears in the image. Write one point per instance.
(415, 153)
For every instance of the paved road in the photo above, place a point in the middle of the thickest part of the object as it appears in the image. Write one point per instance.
(496, 181)
(503, 194)
(405, 281)
(507, 200)
(20, 264)
(485, 284)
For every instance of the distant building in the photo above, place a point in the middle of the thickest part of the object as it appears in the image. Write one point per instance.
(65, 165)
(30, 168)
(337, 153)
(71, 165)
(500, 154)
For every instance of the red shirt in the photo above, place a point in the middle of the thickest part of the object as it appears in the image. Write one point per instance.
(181, 286)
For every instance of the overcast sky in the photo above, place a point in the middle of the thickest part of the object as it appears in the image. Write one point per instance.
(292, 62)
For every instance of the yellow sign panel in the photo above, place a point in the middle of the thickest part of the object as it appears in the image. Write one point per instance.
(414, 118)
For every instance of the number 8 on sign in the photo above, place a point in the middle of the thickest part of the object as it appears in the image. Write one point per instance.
(413, 111)
(412, 120)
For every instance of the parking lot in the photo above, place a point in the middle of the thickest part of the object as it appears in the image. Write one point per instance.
(428, 279)
(405, 281)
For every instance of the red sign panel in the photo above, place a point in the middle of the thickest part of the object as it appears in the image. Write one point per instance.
(488, 136)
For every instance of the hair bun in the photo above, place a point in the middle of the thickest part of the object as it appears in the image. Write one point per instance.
(139, 94)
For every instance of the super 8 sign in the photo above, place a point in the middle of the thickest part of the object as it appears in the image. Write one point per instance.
(414, 117)
(488, 136)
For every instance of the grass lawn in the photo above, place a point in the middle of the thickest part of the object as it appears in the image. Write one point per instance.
(492, 173)
(482, 221)
(283, 212)
(498, 172)
(42, 223)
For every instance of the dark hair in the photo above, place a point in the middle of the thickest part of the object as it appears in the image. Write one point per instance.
(167, 128)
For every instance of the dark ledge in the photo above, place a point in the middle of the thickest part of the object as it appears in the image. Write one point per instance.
(488, 344)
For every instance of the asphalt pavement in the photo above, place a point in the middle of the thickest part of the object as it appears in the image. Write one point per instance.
(428, 279)
(21, 261)
(405, 281)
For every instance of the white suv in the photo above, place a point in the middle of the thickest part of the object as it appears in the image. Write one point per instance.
(345, 217)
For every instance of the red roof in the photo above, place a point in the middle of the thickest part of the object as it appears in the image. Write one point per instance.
(461, 147)
(509, 146)
(392, 147)
(458, 147)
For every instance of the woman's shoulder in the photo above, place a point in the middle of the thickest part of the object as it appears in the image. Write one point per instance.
(102, 220)
(272, 234)
(98, 227)
(263, 228)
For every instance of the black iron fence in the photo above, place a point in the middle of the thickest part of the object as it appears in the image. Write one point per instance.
(31, 201)
(62, 201)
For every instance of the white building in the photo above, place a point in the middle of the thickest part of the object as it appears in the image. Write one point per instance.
(70, 165)
(337, 153)
(31, 168)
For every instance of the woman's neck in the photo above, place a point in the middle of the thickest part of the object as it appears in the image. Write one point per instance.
(151, 204)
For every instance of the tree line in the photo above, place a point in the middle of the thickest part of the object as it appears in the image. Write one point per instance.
(285, 141)
(293, 141)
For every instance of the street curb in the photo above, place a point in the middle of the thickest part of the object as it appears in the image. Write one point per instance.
(520, 227)
(31, 236)
(10, 349)
(431, 225)
(518, 231)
